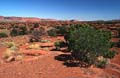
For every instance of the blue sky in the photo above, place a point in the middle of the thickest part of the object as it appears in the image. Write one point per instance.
(62, 9)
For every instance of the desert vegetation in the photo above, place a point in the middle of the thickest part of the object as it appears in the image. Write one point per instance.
(82, 45)
(87, 43)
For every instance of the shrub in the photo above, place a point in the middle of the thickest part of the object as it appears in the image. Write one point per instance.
(52, 32)
(2, 35)
(36, 25)
(11, 49)
(9, 44)
(69, 30)
(23, 30)
(101, 63)
(14, 31)
(87, 43)
(10, 52)
(35, 35)
(57, 45)
(42, 31)
(61, 30)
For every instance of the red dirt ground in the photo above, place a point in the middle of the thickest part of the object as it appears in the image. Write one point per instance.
(46, 66)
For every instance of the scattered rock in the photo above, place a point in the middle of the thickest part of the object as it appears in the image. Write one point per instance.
(19, 58)
(10, 59)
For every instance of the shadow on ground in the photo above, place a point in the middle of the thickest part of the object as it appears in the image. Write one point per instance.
(69, 61)
(62, 50)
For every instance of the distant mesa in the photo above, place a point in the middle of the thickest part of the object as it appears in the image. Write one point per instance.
(29, 19)
(35, 19)
(19, 19)
(23, 19)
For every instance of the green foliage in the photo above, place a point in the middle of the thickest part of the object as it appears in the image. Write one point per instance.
(87, 43)
(60, 43)
(113, 44)
(23, 30)
(57, 45)
(9, 44)
(101, 63)
(69, 30)
(109, 54)
(18, 31)
(12, 53)
(52, 32)
(2, 35)
(14, 32)
(36, 25)
(61, 30)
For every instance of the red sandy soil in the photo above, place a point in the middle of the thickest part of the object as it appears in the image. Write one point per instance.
(46, 66)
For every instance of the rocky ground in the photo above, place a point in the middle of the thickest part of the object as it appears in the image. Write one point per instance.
(51, 64)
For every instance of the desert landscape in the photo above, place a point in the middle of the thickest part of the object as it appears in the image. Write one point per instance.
(59, 39)
(37, 54)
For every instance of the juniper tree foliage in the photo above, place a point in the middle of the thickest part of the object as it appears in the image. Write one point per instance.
(87, 43)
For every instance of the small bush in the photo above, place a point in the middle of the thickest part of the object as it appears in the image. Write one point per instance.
(2, 35)
(36, 25)
(11, 52)
(101, 64)
(22, 30)
(14, 31)
(57, 45)
(35, 35)
(52, 32)
(9, 44)
(61, 30)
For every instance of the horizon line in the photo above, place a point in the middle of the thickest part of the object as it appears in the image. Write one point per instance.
(57, 18)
